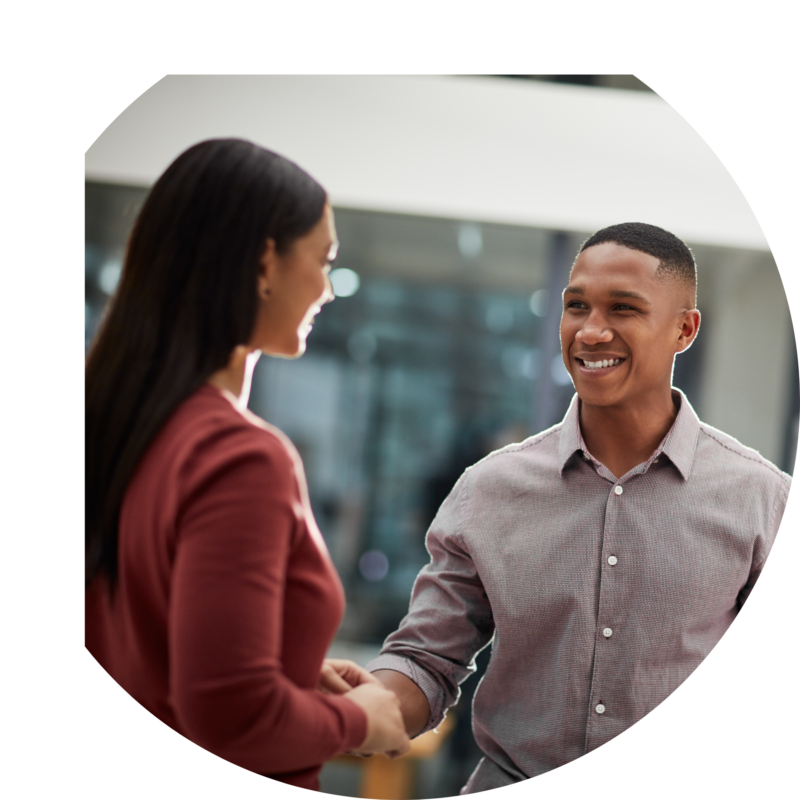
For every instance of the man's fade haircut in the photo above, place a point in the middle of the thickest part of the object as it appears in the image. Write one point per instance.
(676, 261)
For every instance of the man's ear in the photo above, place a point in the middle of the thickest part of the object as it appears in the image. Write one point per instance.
(267, 269)
(689, 326)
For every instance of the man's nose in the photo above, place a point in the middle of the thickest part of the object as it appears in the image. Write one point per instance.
(594, 331)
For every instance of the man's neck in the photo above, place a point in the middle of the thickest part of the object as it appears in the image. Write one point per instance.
(623, 437)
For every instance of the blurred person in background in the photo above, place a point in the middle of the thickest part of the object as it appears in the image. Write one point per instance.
(211, 597)
(602, 558)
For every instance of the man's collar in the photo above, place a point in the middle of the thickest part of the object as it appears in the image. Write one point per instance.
(679, 444)
(570, 440)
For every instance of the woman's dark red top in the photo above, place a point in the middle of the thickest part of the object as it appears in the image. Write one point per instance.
(227, 600)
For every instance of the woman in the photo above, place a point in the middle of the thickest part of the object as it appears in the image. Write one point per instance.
(211, 597)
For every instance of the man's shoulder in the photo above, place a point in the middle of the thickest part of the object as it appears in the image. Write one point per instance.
(721, 451)
(540, 451)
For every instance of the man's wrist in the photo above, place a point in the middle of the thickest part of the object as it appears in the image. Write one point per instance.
(413, 702)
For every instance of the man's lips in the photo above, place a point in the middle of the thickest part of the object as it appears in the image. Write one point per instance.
(600, 363)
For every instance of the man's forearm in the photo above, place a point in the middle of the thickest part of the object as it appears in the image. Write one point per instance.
(413, 703)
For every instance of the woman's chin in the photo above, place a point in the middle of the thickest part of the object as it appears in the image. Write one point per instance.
(298, 347)
(288, 350)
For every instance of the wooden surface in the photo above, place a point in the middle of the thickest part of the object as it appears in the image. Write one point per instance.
(384, 778)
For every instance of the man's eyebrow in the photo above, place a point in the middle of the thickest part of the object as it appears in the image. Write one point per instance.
(628, 294)
(616, 293)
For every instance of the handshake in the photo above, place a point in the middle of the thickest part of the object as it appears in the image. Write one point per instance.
(386, 730)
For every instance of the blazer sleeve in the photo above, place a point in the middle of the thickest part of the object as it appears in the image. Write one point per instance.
(227, 686)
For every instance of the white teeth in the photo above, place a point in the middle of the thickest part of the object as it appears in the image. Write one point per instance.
(601, 364)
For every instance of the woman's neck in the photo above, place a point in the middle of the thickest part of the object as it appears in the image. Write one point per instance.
(236, 378)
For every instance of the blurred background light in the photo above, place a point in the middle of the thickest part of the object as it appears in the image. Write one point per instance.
(538, 302)
(373, 565)
(470, 240)
(345, 282)
(108, 277)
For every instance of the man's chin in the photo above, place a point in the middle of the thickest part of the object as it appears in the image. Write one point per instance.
(593, 396)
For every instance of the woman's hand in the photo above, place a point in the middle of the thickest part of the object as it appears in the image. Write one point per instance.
(385, 728)
(338, 676)
(386, 732)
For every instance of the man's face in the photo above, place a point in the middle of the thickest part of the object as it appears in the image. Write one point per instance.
(622, 326)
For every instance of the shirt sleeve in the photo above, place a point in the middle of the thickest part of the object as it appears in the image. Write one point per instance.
(449, 619)
(765, 539)
(227, 686)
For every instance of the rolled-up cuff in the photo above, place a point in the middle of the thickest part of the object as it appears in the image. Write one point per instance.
(426, 682)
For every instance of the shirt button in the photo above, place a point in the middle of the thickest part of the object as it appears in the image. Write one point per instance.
(607, 632)
(612, 560)
(655, 461)
(617, 490)
(600, 708)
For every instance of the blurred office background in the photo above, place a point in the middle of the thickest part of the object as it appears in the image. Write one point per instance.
(442, 344)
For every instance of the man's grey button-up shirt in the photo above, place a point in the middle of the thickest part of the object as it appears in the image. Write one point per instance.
(546, 554)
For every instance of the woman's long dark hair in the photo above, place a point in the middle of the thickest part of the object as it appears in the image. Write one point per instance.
(186, 298)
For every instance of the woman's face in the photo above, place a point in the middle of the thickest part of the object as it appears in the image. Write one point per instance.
(293, 287)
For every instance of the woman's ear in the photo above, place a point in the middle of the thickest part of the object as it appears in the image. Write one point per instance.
(267, 268)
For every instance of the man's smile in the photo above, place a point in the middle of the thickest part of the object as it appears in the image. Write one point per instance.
(599, 366)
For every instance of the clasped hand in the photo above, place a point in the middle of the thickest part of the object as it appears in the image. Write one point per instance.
(386, 732)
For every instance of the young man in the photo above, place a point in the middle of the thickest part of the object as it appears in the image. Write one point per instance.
(603, 558)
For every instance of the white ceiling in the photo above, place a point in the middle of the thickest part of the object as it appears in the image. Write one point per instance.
(522, 152)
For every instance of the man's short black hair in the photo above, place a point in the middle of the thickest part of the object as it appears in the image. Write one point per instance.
(676, 259)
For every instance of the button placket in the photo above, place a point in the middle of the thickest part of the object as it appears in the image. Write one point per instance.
(606, 654)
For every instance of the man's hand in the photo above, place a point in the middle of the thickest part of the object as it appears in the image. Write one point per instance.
(338, 676)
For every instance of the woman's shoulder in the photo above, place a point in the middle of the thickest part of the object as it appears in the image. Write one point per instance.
(209, 427)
